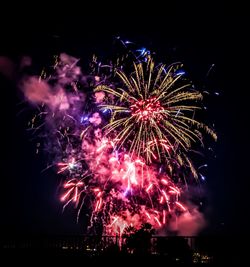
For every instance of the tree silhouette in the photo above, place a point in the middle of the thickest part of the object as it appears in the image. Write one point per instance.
(139, 241)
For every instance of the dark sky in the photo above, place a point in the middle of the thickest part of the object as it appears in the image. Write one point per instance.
(199, 36)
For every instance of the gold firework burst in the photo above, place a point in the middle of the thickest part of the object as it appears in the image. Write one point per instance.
(153, 111)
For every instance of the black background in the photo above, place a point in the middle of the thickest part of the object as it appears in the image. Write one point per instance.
(197, 34)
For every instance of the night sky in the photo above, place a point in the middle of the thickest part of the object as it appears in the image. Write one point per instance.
(199, 36)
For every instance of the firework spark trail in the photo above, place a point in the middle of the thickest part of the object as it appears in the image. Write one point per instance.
(73, 187)
(115, 146)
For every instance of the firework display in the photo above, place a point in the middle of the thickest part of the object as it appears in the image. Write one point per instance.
(120, 135)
